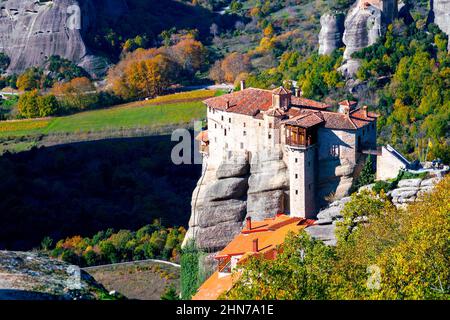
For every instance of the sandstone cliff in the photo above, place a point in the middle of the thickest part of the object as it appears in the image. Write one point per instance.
(440, 14)
(31, 31)
(31, 276)
(237, 188)
(363, 26)
(330, 36)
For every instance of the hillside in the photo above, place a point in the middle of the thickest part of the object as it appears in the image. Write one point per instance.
(155, 116)
(139, 280)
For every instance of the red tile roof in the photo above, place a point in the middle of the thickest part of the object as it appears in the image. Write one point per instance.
(302, 112)
(347, 103)
(308, 103)
(270, 233)
(306, 120)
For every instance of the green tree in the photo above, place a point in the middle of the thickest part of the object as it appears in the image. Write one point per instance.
(28, 104)
(48, 105)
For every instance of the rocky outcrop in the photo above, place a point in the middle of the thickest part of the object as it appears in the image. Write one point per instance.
(407, 191)
(330, 36)
(440, 14)
(32, 31)
(410, 189)
(363, 26)
(231, 191)
(31, 276)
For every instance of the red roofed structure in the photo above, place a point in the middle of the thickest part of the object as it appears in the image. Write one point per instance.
(264, 238)
(318, 145)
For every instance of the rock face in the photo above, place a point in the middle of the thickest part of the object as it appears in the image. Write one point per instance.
(440, 14)
(233, 190)
(363, 26)
(30, 276)
(410, 189)
(330, 36)
(365, 23)
(32, 31)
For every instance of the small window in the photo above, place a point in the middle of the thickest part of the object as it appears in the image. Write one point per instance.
(334, 151)
(244, 133)
(215, 139)
(222, 118)
(259, 124)
(270, 126)
(215, 125)
(296, 176)
(229, 120)
(224, 132)
(242, 145)
(270, 136)
(296, 160)
(296, 192)
(244, 125)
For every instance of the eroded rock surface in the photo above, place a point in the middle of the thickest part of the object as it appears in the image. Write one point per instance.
(31, 276)
(32, 31)
(330, 36)
(441, 15)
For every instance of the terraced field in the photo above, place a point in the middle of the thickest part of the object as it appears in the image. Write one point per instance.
(174, 109)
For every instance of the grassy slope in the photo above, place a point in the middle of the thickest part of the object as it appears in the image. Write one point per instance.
(172, 109)
(142, 281)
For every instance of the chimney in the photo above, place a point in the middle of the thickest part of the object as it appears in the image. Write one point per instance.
(248, 223)
(366, 112)
(228, 104)
(255, 245)
(242, 85)
(297, 92)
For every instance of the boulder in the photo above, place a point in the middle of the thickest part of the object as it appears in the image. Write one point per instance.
(231, 188)
(406, 192)
(216, 237)
(409, 183)
(215, 212)
(236, 167)
(430, 182)
(268, 176)
(34, 276)
(265, 204)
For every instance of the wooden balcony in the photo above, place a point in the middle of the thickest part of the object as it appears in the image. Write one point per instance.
(300, 137)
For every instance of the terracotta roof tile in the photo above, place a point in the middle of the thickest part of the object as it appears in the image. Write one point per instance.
(306, 121)
(302, 112)
(308, 103)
